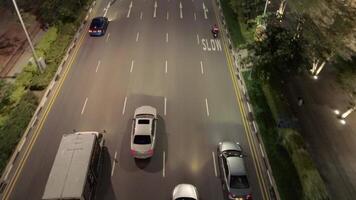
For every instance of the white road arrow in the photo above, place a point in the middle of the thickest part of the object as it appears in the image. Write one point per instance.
(205, 11)
(181, 7)
(154, 12)
(128, 13)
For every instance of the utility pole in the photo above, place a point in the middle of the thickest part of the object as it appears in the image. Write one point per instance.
(265, 10)
(39, 66)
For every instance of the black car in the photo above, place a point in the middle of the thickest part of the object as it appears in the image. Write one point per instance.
(98, 26)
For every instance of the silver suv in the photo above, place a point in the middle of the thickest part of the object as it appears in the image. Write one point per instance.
(233, 172)
(143, 134)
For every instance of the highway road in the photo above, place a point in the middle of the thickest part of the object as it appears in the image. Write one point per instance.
(162, 56)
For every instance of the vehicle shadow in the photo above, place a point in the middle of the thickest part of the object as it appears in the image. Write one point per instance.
(105, 187)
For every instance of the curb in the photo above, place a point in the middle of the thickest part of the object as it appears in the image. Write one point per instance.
(272, 188)
(4, 180)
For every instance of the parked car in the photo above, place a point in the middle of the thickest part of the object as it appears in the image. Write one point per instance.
(185, 192)
(98, 26)
(233, 172)
(143, 134)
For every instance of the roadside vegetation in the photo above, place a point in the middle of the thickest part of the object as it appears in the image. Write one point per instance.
(281, 53)
(19, 99)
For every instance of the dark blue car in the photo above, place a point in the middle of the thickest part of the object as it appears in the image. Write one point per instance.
(98, 26)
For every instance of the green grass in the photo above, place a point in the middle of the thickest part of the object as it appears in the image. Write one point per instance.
(313, 186)
(239, 32)
(284, 172)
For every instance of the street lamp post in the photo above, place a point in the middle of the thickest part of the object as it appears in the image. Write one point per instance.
(28, 38)
(265, 10)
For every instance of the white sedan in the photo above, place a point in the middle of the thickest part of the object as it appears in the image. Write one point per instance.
(143, 134)
(185, 192)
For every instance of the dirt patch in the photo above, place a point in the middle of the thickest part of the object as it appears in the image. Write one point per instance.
(13, 39)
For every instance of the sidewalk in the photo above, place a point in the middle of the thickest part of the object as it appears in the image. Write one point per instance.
(331, 144)
(26, 55)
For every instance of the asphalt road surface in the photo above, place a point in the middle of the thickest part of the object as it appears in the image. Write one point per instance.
(164, 57)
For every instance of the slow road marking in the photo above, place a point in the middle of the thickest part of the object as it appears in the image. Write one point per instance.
(211, 44)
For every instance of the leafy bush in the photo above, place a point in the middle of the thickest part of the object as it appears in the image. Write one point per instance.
(46, 41)
(12, 128)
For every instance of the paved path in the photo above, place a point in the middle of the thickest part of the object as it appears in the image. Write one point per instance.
(331, 144)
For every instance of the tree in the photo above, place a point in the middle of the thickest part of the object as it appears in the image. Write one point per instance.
(279, 55)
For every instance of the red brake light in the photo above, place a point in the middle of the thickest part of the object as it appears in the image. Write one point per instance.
(249, 197)
(133, 152)
(90, 31)
(232, 196)
(150, 152)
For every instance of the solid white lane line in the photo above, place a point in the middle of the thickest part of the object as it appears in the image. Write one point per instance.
(166, 70)
(113, 164)
(215, 171)
(107, 37)
(207, 107)
(164, 165)
(201, 67)
(155, 10)
(123, 109)
(85, 104)
(141, 15)
(198, 39)
(132, 64)
(166, 37)
(138, 35)
(195, 16)
(165, 106)
(97, 66)
(167, 15)
(180, 8)
(128, 13)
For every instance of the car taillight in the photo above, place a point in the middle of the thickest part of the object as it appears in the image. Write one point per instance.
(150, 152)
(90, 31)
(232, 196)
(99, 31)
(249, 197)
(133, 152)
